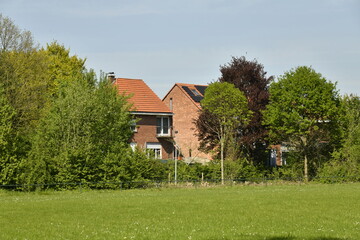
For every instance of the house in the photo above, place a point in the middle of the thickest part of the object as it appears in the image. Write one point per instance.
(184, 101)
(153, 130)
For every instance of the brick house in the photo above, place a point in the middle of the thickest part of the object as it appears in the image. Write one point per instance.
(153, 130)
(184, 101)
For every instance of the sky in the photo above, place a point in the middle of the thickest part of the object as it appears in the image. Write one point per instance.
(165, 42)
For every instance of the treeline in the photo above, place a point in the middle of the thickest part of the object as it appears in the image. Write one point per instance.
(60, 123)
(301, 112)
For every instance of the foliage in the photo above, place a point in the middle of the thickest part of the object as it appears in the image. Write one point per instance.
(304, 111)
(242, 169)
(8, 159)
(62, 68)
(23, 75)
(346, 160)
(12, 38)
(224, 109)
(84, 125)
(228, 108)
(28, 78)
(250, 78)
(351, 127)
(337, 170)
(131, 168)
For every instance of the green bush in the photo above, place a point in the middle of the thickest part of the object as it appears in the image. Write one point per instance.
(339, 171)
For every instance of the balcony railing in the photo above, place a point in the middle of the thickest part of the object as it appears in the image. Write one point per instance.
(164, 132)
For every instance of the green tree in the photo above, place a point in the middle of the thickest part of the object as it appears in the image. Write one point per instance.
(82, 127)
(250, 77)
(346, 160)
(23, 80)
(228, 109)
(25, 85)
(351, 147)
(62, 67)
(304, 111)
(8, 160)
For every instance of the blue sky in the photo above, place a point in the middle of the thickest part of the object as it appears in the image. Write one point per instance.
(169, 41)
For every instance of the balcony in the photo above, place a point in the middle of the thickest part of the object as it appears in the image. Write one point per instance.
(163, 127)
(163, 132)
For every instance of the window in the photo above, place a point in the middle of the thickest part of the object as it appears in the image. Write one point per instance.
(133, 126)
(153, 150)
(162, 126)
(194, 92)
(133, 145)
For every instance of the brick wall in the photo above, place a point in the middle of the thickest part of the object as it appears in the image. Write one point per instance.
(146, 133)
(185, 111)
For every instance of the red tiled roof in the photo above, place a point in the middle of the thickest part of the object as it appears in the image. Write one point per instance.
(143, 98)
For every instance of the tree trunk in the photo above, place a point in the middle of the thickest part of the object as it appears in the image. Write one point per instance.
(304, 147)
(306, 176)
(222, 160)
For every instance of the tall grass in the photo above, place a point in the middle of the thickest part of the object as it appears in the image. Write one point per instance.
(286, 212)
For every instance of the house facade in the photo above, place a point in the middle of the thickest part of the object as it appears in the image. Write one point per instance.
(153, 120)
(184, 101)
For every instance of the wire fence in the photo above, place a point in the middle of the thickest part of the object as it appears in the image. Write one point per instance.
(144, 184)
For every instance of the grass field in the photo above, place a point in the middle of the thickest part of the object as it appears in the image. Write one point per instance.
(276, 212)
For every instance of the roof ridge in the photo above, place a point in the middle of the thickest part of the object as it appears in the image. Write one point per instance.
(194, 84)
(139, 79)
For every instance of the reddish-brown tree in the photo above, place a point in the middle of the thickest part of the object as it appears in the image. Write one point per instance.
(251, 79)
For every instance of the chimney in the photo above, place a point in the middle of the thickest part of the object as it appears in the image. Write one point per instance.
(111, 77)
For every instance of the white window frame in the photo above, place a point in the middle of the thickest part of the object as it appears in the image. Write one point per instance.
(133, 146)
(155, 148)
(161, 132)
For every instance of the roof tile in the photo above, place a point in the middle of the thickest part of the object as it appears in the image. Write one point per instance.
(143, 98)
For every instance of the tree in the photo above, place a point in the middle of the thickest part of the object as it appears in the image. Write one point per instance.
(62, 67)
(12, 38)
(304, 111)
(228, 109)
(346, 160)
(85, 123)
(351, 148)
(8, 161)
(250, 78)
(23, 80)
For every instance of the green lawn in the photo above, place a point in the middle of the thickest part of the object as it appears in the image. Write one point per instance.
(277, 212)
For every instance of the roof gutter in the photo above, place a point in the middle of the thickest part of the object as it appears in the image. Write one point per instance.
(153, 113)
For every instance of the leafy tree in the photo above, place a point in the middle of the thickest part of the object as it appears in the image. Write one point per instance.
(250, 78)
(228, 109)
(23, 80)
(22, 73)
(8, 161)
(304, 111)
(351, 147)
(346, 161)
(12, 38)
(83, 126)
(25, 85)
(62, 67)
